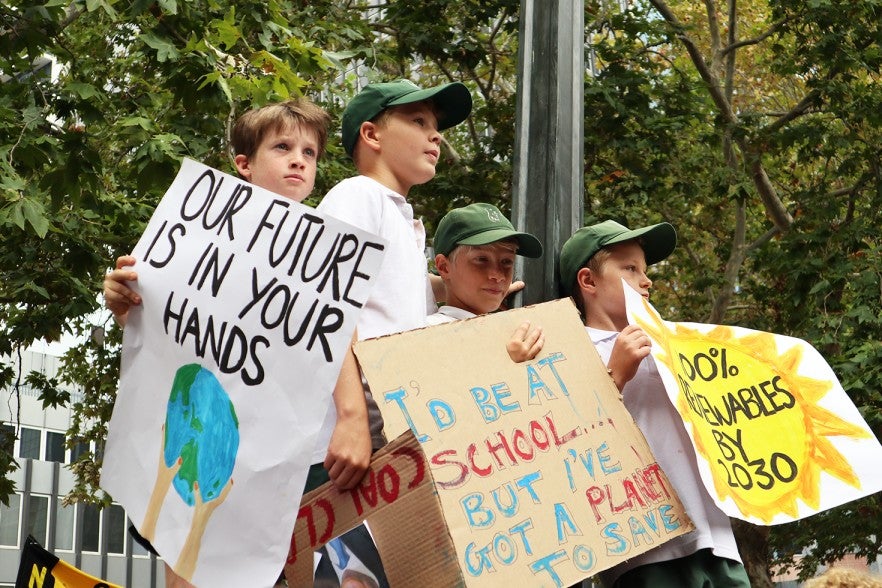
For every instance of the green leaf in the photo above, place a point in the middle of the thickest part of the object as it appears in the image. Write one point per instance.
(169, 6)
(225, 87)
(137, 121)
(12, 181)
(35, 214)
(227, 31)
(165, 50)
(820, 286)
(83, 90)
(33, 117)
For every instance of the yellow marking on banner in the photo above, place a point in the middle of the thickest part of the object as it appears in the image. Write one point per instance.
(38, 576)
(754, 418)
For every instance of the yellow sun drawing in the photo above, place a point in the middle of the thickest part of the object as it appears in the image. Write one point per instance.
(754, 419)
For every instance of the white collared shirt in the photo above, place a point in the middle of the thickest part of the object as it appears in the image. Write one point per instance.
(401, 296)
(448, 314)
(647, 401)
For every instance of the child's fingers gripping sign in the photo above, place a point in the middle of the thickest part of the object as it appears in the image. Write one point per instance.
(526, 342)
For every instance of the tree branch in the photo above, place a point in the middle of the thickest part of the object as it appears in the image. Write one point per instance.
(733, 45)
(730, 57)
(776, 210)
(774, 207)
(733, 266)
(794, 112)
(761, 240)
(710, 80)
(71, 13)
(713, 26)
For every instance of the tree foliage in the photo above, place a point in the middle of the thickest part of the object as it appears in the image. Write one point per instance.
(754, 127)
(136, 86)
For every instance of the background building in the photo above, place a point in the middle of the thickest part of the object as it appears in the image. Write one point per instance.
(92, 539)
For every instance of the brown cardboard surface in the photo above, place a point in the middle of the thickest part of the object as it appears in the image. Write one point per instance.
(538, 470)
(398, 499)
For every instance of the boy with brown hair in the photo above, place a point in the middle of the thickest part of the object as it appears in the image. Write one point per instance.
(392, 132)
(276, 147)
(593, 263)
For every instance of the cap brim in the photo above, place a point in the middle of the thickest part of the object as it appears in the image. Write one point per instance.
(454, 102)
(528, 245)
(658, 241)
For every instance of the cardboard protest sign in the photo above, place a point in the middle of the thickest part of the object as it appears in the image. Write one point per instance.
(538, 470)
(39, 568)
(398, 499)
(249, 303)
(776, 436)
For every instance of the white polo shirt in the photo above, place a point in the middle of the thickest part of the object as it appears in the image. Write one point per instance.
(645, 398)
(448, 314)
(401, 297)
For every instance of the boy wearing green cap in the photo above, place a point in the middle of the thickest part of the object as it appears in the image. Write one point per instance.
(593, 263)
(475, 249)
(392, 132)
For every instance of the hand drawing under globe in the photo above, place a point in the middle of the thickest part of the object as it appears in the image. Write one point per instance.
(200, 443)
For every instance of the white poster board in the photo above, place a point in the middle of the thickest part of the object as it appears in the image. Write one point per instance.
(249, 302)
(777, 438)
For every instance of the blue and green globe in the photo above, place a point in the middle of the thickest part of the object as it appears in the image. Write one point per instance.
(202, 429)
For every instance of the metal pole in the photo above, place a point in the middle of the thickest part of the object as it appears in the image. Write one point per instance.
(548, 159)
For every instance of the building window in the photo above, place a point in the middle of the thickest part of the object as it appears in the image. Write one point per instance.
(91, 528)
(29, 444)
(79, 449)
(64, 527)
(138, 550)
(9, 521)
(38, 517)
(8, 437)
(116, 529)
(54, 446)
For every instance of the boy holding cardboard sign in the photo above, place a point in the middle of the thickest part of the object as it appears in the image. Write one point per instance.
(392, 132)
(593, 263)
(475, 248)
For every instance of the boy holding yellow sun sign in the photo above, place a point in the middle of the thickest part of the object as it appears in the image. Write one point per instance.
(593, 264)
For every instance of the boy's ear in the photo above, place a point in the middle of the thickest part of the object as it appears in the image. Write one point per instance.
(369, 135)
(442, 264)
(243, 166)
(585, 281)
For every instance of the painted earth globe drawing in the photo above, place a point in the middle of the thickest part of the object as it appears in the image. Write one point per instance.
(202, 429)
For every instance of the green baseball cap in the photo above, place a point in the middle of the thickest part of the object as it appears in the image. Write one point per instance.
(454, 103)
(658, 241)
(481, 224)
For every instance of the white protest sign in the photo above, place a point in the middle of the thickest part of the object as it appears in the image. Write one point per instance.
(249, 303)
(777, 438)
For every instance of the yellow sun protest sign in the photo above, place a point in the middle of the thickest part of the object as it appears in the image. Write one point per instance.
(776, 437)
